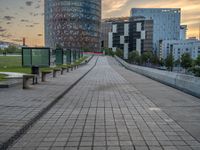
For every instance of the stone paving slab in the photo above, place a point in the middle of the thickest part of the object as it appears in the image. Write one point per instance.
(105, 112)
(182, 107)
(18, 106)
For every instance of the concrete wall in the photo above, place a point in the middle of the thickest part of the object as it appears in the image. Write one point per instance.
(186, 83)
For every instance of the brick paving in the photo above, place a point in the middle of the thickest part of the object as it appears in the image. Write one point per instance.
(18, 106)
(105, 112)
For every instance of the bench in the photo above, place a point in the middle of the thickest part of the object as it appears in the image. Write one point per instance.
(74, 66)
(63, 69)
(26, 79)
(55, 70)
(44, 73)
(71, 67)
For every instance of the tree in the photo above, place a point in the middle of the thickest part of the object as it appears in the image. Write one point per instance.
(169, 62)
(146, 57)
(161, 62)
(154, 59)
(186, 61)
(177, 62)
(134, 57)
(197, 61)
(12, 49)
(119, 53)
(109, 52)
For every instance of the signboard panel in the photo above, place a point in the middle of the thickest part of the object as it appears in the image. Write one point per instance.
(59, 56)
(68, 56)
(35, 57)
(26, 57)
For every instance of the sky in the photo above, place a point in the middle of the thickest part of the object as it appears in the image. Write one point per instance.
(25, 18)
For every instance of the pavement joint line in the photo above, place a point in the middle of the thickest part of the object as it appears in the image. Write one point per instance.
(116, 127)
(81, 137)
(32, 121)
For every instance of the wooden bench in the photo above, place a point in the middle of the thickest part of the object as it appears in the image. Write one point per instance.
(26, 79)
(44, 73)
(55, 70)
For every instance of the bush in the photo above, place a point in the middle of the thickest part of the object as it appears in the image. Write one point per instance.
(109, 52)
(195, 70)
(146, 57)
(134, 57)
(119, 53)
(12, 49)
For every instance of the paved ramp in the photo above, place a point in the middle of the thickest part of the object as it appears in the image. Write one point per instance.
(106, 112)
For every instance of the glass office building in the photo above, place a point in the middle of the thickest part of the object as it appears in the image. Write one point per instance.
(166, 23)
(73, 24)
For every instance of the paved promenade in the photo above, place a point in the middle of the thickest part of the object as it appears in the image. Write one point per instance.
(183, 108)
(18, 106)
(105, 111)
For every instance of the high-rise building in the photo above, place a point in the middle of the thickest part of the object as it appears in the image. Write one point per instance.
(166, 23)
(73, 24)
(183, 32)
(135, 34)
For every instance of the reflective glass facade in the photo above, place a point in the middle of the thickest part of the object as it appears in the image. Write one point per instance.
(73, 24)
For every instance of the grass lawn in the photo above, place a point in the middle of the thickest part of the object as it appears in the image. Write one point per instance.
(12, 64)
(2, 77)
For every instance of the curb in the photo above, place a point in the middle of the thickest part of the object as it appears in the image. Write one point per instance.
(163, 82)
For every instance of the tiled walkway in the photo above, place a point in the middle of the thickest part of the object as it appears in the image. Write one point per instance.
(105, 112)
(18, 106)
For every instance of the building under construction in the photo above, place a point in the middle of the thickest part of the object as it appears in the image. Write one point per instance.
(73, 24)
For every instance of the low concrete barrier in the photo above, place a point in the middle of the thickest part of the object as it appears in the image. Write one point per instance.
(186, 83)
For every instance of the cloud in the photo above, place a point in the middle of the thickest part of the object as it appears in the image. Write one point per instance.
(38, 6)
(29, 3)
(5, 35)
(30, 26)
(17, 40)
(2, 29)
(40, 34)
(8, 18)
(24, 20)
(110, 6)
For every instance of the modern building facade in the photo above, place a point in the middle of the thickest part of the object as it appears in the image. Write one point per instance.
(183, 32)
(106, 28)
(134, 34)
(73, 24)
(166, 23)
(179, 47)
